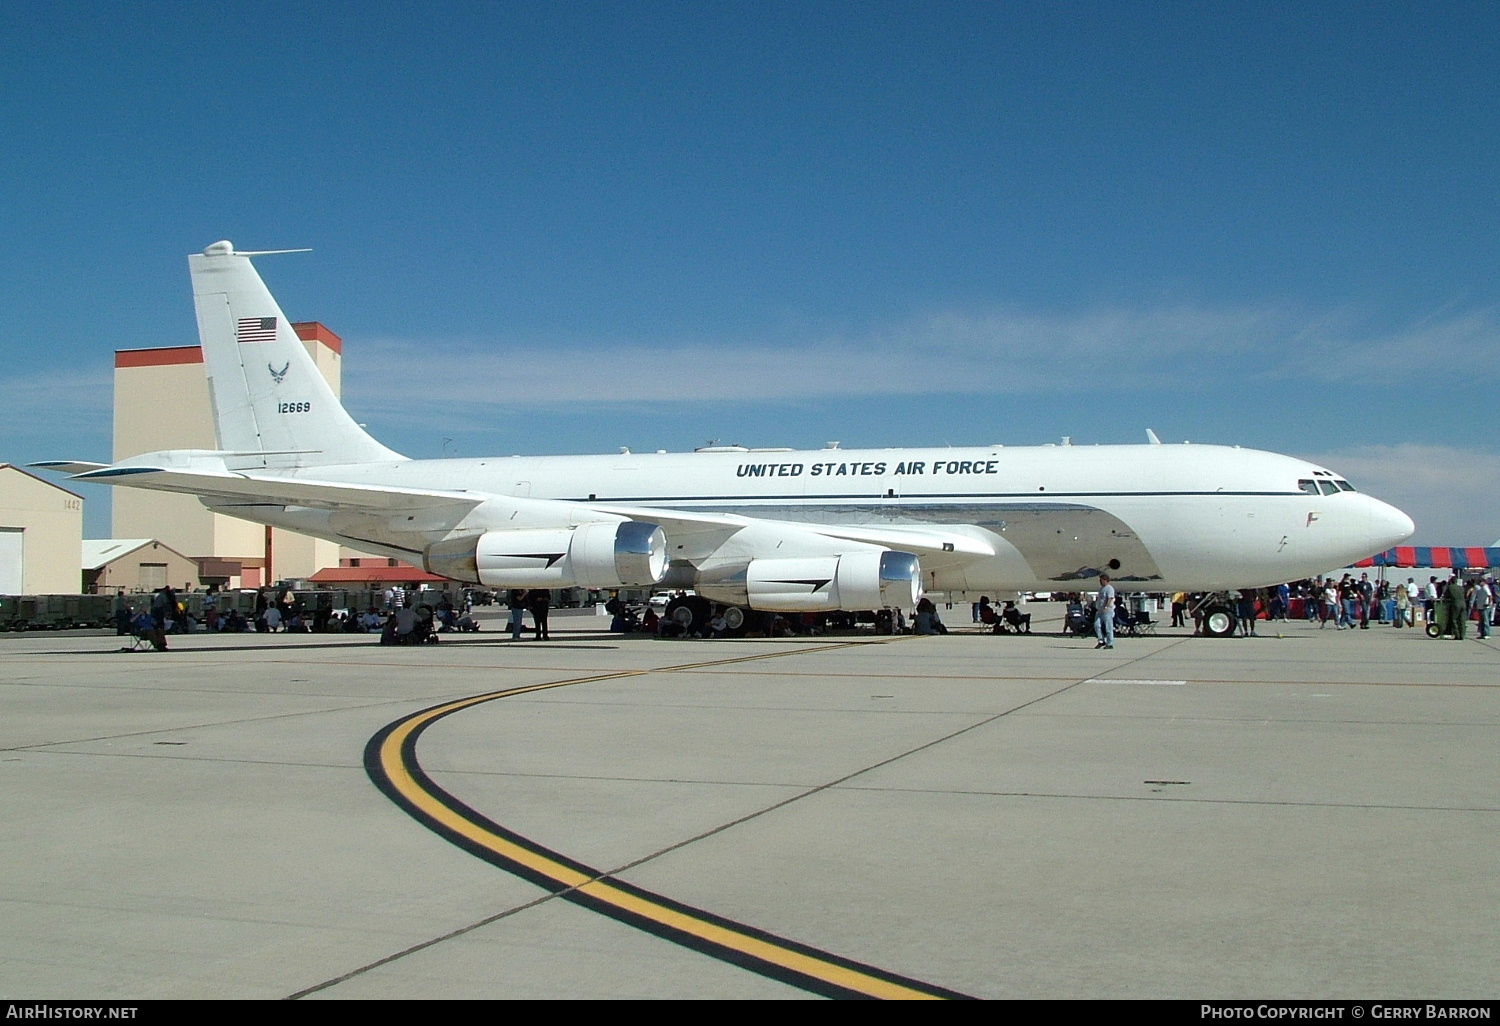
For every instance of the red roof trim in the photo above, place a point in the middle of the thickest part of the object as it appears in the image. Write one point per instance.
(169, 356)
(309, 331)
(164, 357)
(372, 574)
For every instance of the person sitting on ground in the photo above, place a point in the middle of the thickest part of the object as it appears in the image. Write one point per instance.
(426, 631)
(406, 624)
(388, 630)
(927, 618)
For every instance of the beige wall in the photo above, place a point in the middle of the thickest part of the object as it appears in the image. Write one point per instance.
(50, 520)
(165, 405)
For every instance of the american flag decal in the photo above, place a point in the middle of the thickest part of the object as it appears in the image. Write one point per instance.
(256, 329)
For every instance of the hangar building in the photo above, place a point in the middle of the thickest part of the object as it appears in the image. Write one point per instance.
(162, 402)
(41, 532)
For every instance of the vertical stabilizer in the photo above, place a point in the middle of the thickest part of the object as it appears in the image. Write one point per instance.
(268, 395)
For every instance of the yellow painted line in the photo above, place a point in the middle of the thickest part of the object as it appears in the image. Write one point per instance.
(390, 759)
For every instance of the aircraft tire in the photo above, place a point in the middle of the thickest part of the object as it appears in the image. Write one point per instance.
(1218, 622)
(692, 611)
(740, 620)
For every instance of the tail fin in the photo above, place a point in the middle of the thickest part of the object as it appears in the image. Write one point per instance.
(270, 402)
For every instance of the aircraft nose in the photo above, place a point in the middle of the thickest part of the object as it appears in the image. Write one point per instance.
(1389, 526)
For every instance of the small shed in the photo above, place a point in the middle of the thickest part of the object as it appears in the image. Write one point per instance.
(113, 566)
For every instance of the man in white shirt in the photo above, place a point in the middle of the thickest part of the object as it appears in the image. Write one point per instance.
(1480, 601)
(1104, 613)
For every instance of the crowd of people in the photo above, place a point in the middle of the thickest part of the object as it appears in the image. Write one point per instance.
(1345, 603)
(285, 612)
(1454, 605)
(1348, 603)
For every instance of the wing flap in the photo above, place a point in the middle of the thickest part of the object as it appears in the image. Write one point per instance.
(947, 545)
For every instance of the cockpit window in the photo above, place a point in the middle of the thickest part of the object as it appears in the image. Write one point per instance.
(1308, 486)
(1344, 486)
(1328, 487)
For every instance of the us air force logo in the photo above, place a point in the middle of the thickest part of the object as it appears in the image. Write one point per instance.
(278, 375)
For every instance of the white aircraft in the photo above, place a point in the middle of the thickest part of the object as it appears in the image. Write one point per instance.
(751, 529)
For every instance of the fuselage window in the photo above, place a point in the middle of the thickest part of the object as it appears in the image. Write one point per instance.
(1344, 486)
(1328, 487)
(1310, 487)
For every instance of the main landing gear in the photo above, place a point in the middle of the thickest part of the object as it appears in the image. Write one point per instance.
(693, 613)
(1217, 615)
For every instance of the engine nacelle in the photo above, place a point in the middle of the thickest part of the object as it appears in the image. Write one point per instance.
(601, 555)
(820, 584)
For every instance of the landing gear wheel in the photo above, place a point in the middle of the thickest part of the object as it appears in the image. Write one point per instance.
(1218, 622)
(692, 612)
(737, 620)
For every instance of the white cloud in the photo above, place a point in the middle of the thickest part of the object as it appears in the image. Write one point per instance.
(1430, 351)
(1453, 494)
(57, 402)
(1001, 352)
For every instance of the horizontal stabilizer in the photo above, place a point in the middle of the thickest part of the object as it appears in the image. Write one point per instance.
(281, 490)
(68, 466)
(202, 473)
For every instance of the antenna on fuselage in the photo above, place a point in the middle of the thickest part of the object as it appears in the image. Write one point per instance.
(1151, 437)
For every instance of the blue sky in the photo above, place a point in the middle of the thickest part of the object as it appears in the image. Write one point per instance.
(567, 227)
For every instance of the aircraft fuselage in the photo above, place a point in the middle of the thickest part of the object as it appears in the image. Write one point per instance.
(1155, 517)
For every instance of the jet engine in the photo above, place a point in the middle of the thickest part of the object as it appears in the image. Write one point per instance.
(600, 555)
(818, 584)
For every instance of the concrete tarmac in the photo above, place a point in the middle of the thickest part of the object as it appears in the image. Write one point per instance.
(1308, 814)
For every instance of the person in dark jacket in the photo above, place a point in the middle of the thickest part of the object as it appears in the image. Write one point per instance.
(540, 601)
(1457, 607)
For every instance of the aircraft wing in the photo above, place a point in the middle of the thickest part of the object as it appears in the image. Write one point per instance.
(204, 475)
